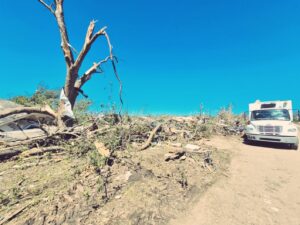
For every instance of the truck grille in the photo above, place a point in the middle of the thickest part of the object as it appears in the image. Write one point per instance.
(270, 129)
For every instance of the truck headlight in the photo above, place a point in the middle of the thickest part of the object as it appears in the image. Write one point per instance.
(292, 129)
(250, 128)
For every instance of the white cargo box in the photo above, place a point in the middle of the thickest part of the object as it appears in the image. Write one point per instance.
(258, 105)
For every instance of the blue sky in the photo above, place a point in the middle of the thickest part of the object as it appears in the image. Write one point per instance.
(173, 55)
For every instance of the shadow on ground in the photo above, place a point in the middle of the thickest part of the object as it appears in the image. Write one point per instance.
(273, 146)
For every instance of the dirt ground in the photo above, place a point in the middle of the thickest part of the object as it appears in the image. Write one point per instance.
(243, 184)
(262, 188)
(139, 187)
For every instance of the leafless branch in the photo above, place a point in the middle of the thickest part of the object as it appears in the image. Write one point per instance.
(49, 7)
(120, 83)
(109, 44)
(73, 49)
(99, 33)
(90, 38)
(96, 68)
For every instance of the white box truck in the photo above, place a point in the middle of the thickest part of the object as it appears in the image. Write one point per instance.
(272, 121)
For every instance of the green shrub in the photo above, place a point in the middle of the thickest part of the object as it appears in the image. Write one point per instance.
(42, 96)
(96, 160)
(81, 110)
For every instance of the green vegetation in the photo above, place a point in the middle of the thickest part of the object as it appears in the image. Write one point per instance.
(42, 96)
(96, 160)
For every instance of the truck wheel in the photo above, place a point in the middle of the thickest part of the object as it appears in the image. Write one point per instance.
(247, 141)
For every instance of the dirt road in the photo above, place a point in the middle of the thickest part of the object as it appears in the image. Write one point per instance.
(263, 188)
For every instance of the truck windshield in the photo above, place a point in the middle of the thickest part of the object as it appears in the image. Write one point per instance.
(271, 114)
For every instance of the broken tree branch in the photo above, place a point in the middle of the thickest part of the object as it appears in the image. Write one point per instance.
(152, 134)
(96, 68)
(120, 85)
(109, 44)
(40, 151)
(13, 215)
(45, 110)
(88, 74)
(90, 38)
(9, 153)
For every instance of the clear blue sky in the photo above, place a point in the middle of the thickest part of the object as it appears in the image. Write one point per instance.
(173, 55)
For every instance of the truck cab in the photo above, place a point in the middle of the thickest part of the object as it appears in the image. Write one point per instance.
(272, 122)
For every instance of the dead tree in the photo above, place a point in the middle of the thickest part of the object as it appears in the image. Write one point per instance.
(75, 81)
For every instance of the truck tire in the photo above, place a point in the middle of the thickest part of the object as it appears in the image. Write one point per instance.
(247, 141)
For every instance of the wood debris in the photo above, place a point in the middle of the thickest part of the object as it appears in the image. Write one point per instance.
(102, 150)
(151, 136)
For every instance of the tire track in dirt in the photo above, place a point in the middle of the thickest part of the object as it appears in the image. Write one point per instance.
(263, 188)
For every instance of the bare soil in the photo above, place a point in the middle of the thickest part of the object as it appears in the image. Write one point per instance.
(262, 188)
(139, 187)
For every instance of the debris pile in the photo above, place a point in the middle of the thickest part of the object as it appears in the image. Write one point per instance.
(233, 128)
(105, 163)
(24, 128)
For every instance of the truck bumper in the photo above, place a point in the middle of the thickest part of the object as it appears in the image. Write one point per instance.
(273, 138)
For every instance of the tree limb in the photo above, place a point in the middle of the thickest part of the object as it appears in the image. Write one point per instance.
(90, 38)
(45, 110)
(88, 74)
(49, 7)
(149, 140)
(58, 12)
(11, 152)
(109, 45)
(59, 15)
(12, 216)
(40, 151)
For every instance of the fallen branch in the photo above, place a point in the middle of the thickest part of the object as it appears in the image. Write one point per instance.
(24, 142)
(28, 165)
(45, 110)
(9, 153)
(21, 135)
(14, 214)
(180, 154)
(152, 134)
(40, 151)
(56, 135)
(174, 156)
